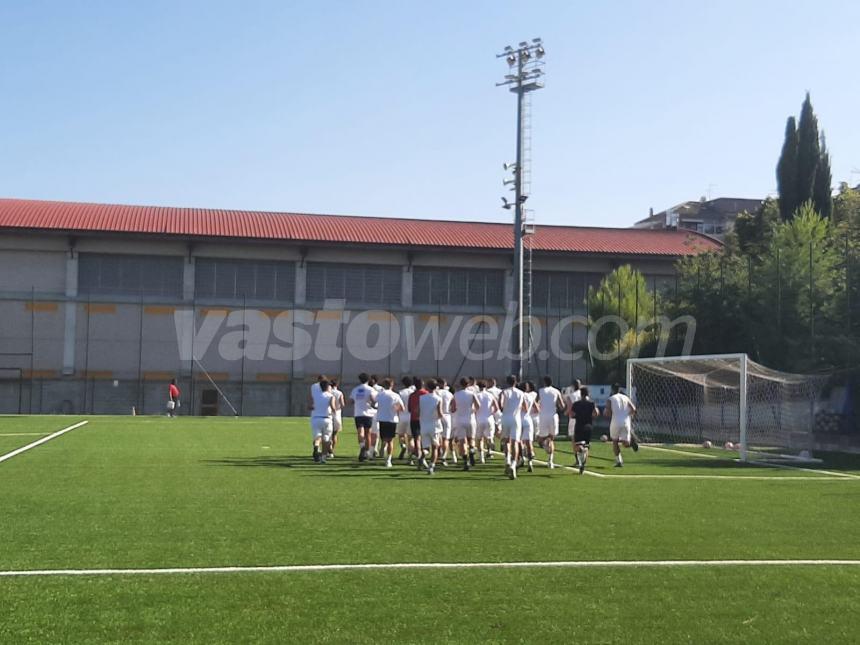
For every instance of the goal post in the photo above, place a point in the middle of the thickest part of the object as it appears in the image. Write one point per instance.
(722, 398)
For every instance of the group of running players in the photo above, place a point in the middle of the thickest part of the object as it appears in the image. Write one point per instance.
(436, 426)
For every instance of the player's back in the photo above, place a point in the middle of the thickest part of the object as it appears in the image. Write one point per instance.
(428, 405)
(464, 400)
(513, 404)
(364, 396)
(322, 403)
(620, 407)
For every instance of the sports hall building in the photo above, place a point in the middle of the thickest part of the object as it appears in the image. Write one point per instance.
(101, 305)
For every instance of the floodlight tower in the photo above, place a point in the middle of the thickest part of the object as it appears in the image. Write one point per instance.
(525, 63)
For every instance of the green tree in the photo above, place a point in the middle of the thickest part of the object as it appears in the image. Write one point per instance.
(808, 152)
(786, 172)
(822, 189)
(753, 231)
(624, 294)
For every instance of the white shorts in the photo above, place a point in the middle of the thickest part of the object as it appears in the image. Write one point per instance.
(486, 429)
(620, 431)
(512, 428)
(336, 424)
(528, 433)
(321, 428)
(548, 426)
(464, 429)
(446, 426)
(403, 427)
(374, 425)
(430, 439)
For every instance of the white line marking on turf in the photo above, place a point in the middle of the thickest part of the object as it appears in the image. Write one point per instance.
(382, 566)
(39, 442)
(22, 434)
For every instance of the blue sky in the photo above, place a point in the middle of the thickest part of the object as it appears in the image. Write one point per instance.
(389, 108)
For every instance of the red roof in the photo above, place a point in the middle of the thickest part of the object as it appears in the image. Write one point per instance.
(302, 227)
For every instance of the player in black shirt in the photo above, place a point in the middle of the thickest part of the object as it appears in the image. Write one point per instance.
(584, 412)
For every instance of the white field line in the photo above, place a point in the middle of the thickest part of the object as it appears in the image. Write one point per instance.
(544, 463)
(810, 470)
(383, 566)
(39, 442)
(22, 434)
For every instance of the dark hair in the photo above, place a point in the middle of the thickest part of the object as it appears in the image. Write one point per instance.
(583, 392)
(531, 386)
(324, 385)
(417, 382)
(374, 379)
(362, 378)
(406, 380)
(440, 381)
(577, 383)
(512, 380)
(387, 383)
(547, 381)
(321, 378)
(430, 385)
(471, 379)
(481, 385)
(333, 382)
(173, 381)
(616, 388)
(491, 381)
(464, 382)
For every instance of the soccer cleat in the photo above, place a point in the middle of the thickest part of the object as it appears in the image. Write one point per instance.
(402, 453)
(582, 466)
(635, 445)
(322, 459)
(388, 463)
(362, 455)
(431, 470)
(471, 458)
(444, 463)
(618, 464)
(531, 466)
(513, 472)
(466, 465)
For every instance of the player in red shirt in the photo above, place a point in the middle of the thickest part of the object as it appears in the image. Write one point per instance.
(173, 398)
(414, 416)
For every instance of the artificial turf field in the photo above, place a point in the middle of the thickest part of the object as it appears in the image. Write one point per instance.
(152, 493)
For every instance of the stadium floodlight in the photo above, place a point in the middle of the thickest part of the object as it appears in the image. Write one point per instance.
(725, 399)
(525, 63)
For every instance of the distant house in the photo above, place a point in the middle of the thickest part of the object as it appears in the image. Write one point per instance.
(714, 217)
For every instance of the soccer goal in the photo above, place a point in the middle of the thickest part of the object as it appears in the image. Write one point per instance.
(725, 398)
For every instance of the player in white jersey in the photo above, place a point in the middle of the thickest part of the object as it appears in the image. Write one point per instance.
(374, 423)
(571, 396)
(493, 389)
(321, 413)
(363, 398)
(403, 432)
(527, 450)
(513, 403)
(485, 419)
(315, 389)
(550, 402)
(620, 410)
(445, 394)
(337, 418)
(389, 407)
(430, 416)
(464, 406)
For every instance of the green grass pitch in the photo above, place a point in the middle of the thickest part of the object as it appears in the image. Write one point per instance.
(148, 492)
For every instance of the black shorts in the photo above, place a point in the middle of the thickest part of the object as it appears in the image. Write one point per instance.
(582, 434)
(415, 427)
(387, 429)
(363, 422)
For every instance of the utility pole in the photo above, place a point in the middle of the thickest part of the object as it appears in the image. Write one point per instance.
(525, 63)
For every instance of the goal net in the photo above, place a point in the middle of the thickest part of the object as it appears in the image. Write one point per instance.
(692, 399)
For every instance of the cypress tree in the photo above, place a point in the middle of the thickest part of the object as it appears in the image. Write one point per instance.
(822, 193)
(808, 152)
(786, 172)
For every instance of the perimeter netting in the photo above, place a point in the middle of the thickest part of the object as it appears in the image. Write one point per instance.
(696, 399)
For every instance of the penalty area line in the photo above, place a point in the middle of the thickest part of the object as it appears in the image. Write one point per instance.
(383, 566)
(39, 442)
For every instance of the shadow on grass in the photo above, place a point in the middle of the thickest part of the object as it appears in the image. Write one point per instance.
(373, 470)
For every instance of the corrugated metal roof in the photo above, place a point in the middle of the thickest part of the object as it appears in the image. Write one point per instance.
(303, 227)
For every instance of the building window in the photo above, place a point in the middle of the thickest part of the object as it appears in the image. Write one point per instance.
(250, 279)
(558, 291)
(458, 287)
(355, 283)
(131, 275)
